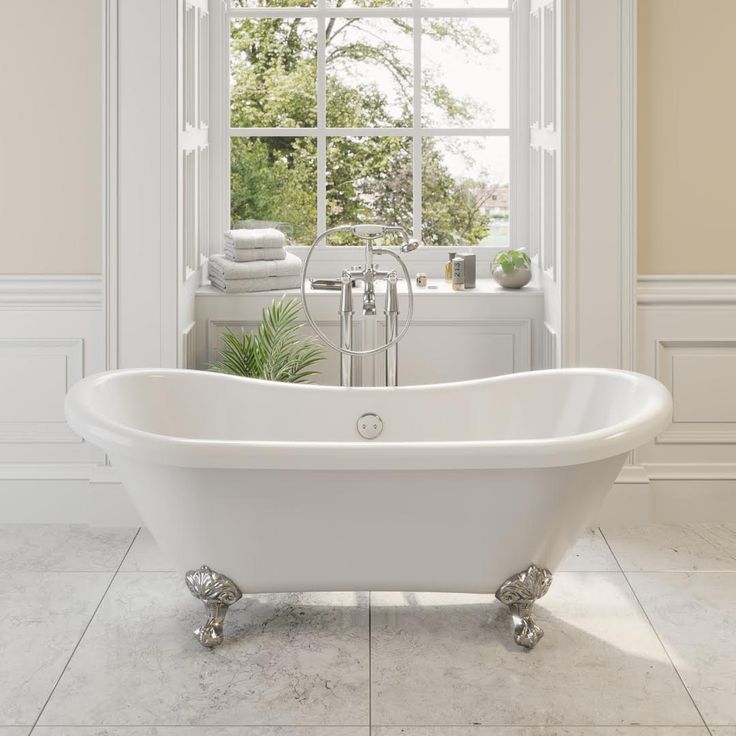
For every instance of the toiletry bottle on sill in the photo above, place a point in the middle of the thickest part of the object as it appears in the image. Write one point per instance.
(458, 273)
(448, 267)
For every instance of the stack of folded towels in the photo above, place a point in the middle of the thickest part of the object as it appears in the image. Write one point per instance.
(255, 260)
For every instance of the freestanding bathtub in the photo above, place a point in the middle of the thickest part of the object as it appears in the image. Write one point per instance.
(478, 486)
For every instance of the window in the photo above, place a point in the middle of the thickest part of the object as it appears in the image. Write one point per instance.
(347, 111)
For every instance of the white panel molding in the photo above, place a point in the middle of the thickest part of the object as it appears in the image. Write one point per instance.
(713, 394)
(549, 213)
(599, 183)
(141, 155)
(54, 292)
(519, 332)
(189, 346)
(36, 413)
(627, 288)
(110, 268)
(687, 339)
(549, 347)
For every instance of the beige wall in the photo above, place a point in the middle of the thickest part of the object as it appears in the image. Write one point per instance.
(50, 136)
(687, 159)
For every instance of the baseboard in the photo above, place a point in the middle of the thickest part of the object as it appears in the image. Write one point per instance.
(691, 471)
(670, 501)
(65, 501)
(633, 474)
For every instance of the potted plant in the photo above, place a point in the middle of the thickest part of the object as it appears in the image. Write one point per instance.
(512, 268)
(274, 352)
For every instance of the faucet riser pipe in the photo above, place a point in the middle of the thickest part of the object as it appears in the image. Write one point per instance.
(392, 352)
(392, 331)
(346, 333)
(346, 340)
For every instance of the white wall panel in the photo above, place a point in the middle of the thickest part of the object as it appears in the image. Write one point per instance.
(436, 353)
(687, 339)
(52, 335)
(35, 375)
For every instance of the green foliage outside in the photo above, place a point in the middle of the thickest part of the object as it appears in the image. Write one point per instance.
(273, 72)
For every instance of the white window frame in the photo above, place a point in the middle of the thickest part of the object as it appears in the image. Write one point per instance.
(517, 132)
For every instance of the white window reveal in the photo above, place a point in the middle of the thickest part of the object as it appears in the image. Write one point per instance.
(345, 111)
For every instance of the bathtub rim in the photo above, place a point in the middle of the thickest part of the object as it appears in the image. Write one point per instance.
(118, 439)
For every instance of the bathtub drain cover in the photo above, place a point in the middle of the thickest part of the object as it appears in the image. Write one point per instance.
(370, 426)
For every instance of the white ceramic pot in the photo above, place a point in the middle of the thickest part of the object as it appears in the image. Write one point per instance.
(515, 280)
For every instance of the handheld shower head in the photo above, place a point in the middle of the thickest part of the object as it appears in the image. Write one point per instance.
(409, 246)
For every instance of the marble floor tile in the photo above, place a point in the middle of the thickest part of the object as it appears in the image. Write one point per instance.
(43, 616)
(695, 617)
(664, 548)
(145, 556)
(540, 731)
(15, 730)
(590, 554)
(202, 731)
(287, 660)
(723, 730)
(450, 660)
(63, 547)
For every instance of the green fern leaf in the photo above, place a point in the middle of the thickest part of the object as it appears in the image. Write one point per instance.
(275, 351)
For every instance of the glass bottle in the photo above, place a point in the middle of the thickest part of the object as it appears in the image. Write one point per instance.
(448, 267)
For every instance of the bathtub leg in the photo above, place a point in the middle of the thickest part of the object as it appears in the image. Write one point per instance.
(218, 593)
(519, 593)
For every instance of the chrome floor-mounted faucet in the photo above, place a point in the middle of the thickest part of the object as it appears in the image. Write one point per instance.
(368, 274)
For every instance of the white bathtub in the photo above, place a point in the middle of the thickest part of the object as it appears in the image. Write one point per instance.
(272, 486)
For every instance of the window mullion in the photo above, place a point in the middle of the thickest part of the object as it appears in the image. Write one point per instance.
(321, 120)
(417, 123)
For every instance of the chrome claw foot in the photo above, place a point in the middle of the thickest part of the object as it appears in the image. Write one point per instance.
(218, 593)
(519, 593)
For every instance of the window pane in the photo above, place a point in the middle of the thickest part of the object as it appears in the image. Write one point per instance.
(369, 180)
(274, 181)
(465, 72)
(272, 3)
(499, 4)
(273, 72)
(369, 71)
(369, 3)
(465, 190)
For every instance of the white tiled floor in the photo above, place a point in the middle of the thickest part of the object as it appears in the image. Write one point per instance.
(640, 641)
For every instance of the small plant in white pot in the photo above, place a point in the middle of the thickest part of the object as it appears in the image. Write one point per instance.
(512, 268)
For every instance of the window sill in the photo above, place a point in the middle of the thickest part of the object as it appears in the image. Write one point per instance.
(485, 287)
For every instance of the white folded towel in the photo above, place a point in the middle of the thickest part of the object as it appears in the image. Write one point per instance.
(224, 269)
(242, 255)
(263, 238)
(248, 286)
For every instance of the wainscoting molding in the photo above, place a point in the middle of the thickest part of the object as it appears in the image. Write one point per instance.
(686, 338)
(51, 292)
(53, 334)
